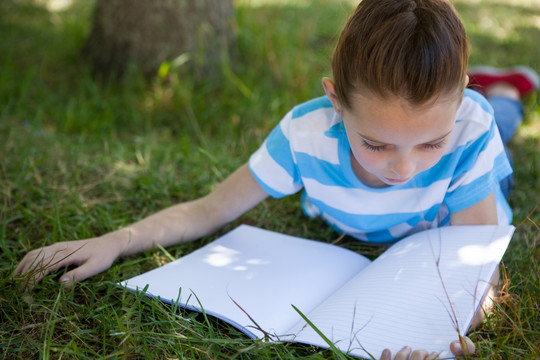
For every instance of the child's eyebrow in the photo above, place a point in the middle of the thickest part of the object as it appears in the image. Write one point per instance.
(383, 143)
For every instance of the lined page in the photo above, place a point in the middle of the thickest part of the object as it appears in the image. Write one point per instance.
(263, 271)
(399, 299)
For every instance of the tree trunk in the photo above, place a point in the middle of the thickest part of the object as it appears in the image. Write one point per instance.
(149, 32)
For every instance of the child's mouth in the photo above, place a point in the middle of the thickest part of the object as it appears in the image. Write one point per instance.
(397, 181)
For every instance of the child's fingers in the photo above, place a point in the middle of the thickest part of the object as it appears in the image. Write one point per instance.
(40, 262)
(457, 349)
(88, 257)
(407, 354)
(418, 355)
(386, 355)
(73, 276)
(32, 267)
(403, 354)
(88, 269)
(31, 258)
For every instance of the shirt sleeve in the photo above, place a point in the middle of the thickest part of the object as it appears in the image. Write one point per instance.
(273, 165)
(482, 165)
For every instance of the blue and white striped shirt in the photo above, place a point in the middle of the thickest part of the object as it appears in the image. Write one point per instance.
(309, 149)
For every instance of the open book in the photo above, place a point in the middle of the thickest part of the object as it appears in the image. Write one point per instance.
(361, 306)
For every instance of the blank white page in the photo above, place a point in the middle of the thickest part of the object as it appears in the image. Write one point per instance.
(399, 300)
(263, 271)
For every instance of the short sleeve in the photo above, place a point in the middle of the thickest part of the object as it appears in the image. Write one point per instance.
(482, 165)
(273, 165)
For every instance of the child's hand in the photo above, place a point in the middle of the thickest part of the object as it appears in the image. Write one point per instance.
(90, 257)
(456, 349)
(407, 354)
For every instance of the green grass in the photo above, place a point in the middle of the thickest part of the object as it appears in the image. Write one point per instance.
(80, 157)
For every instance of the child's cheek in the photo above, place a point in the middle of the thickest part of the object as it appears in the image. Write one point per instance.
(431, 159)
(371, 161)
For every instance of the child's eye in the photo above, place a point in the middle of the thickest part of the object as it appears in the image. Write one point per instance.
(373, 148)
(434, 146)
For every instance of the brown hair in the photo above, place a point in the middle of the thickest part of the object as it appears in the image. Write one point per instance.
(413, 49)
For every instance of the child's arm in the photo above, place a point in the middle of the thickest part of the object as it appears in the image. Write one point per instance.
(483, 212)
(179, 223)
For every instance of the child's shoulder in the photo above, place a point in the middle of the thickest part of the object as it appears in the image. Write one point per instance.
(320, 104)
(313, 118)
(474, 103)
(475, 110)
(475, 123)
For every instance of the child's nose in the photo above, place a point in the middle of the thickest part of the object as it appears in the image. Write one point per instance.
(403, 166)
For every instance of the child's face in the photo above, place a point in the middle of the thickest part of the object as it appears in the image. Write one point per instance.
(392, 141)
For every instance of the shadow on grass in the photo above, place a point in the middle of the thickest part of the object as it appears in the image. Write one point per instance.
(502, 34)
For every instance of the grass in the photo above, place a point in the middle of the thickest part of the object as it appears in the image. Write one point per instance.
(80, 157)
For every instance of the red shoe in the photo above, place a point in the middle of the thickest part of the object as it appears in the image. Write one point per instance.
(524, 79)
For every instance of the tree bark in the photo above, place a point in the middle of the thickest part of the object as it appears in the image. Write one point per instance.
(149, 32)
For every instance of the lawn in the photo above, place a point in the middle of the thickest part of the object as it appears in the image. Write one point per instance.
(80, 157)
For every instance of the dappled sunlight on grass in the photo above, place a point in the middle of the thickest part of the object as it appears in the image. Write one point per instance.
(530, 130)
(56, 5)
(127, 168)
(500, 20)
(258, 3)
(502, 33)
(296, 3)
(494, 27)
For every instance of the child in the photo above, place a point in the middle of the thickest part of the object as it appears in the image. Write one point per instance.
(396, 145)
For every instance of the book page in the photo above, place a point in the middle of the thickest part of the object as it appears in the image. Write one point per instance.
(399, 299)
(264, 272)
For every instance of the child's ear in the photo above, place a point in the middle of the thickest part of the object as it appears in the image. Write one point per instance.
(330, 90)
